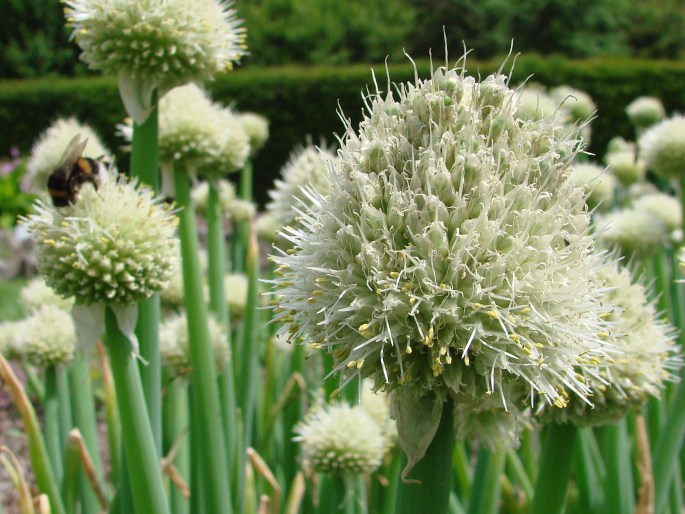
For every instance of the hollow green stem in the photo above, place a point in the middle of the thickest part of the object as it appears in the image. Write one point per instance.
(555, 469)
(51, 426)
(434, 472)
(486, 482)
(175, 424)
(206, 395)
(619, 479)
(145, 473)
(587, 476)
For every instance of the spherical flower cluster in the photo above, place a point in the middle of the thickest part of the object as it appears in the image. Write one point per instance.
(172, 296)
(235, 285)
(578, 103)
(535, 104)
(225, 191)
(340, 440)
(645, 111)
(268, 227)
(36, 293)
(174, 345)
(257, 129)
(156, 45)
(646, 355)
(115, 245)
(11, 337)
(632, 232)
(599, 184)
(49, 338)
(234, 150)
(618, 144)
(626, 167)
(377, 405)
(48, 151)
(307, 167)
(665, 207)
(663, 147)
(452, 255)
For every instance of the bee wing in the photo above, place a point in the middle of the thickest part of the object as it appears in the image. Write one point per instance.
(72, 152)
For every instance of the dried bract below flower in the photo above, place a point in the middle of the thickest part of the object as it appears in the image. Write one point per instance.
(452, 255)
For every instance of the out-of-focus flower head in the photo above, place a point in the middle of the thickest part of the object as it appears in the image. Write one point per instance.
(599, 184)
(257, 128)
(645, 111)
(662, 147)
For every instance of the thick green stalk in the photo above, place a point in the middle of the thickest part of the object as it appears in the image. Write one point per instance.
(51, 427)
(143, 461)
(206, 394)
(64, 403)
(555, 469)
(486, 482)
(83, 411)
(516, 471)
(176, 421)
(334, 495)
(70, 479)
(434, 472)
(462, 469)
(619, 479)
(587, 476)
(145, 166)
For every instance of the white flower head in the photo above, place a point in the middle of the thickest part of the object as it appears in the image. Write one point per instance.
(626, 167)
(632, 232)
(663, 147)
(48, 150)
(451, 256)
(535, 104)
(578, 103)
(11, 338)
(665, 207)
(645, 111)
(257, 128)
(36, 293)
(599, 184)
(340, 440)
(49, 338)
(235, 285)
(234, 146)
(618, 144)
(152, 45)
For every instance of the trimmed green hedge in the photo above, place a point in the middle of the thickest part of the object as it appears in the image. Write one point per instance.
(301, 101)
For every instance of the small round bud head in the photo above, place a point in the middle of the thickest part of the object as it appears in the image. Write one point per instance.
(174, 344)
(645, 355)
(257, 128)
(48, 150)
(626, 167)
(632, 232)
(116, 244)
(449, 236)
(166, 44)
(618, 144)
(599, 184)
(665, 207)
(235, 285)
(50, 337)
(663, 147)
(645, 111)
(36, 293)
(307, 167)
(340, 440)
(578, 103)
(534, 104)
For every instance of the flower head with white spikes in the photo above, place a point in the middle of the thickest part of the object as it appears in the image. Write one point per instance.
(452, 255)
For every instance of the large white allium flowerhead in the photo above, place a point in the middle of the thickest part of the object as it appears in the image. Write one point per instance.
(340, 440)
(626, 167)
(663, 147)
(599, 184)
(36, 293)
(174, 345)
(645, 355)
(48, 150)
(257, 128)
(114, 245)
(49, 338)
(665, 207)
(632, 232)
(151, 44)
(645, 111)
(306, 166)
(578, 103)
(451, 256)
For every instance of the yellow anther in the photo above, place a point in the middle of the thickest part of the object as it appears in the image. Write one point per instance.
(352, 364)
(320, 280)
(580, 378)
(467, 361)
(603, 335)
(318, 292)
(448, 359)
(364, 329)
(560, 402)
(394, 274)
(360, 363)
(412, 300)
(512, 320)
(539, 345)
(526, 350)
(515, 337)
(443, 350)
(408, 350)
(493, 314)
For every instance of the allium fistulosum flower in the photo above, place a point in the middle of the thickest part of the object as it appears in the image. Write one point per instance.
(114, 246)
(632, 232)
(663, 147)
(645, 111)
(257, 128)
(625, 166)
(49, 338)
(535, 104)
(646, 355)
(235, 285)
(48, 150)
(665, 207)
(306, 166)
(36, 293)
(578, 103)
(452, 255)
(151, 45)
(340, 440)
(599, 184)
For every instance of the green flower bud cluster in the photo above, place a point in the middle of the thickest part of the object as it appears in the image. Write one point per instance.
(452, 254)
(645, 355)
(115, 245)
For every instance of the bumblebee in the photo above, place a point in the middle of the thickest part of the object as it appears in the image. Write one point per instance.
(73, 171)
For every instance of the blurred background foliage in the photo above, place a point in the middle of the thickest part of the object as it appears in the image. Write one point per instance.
(34, 42)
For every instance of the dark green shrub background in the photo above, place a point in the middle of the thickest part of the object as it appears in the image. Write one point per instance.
(301, 101)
